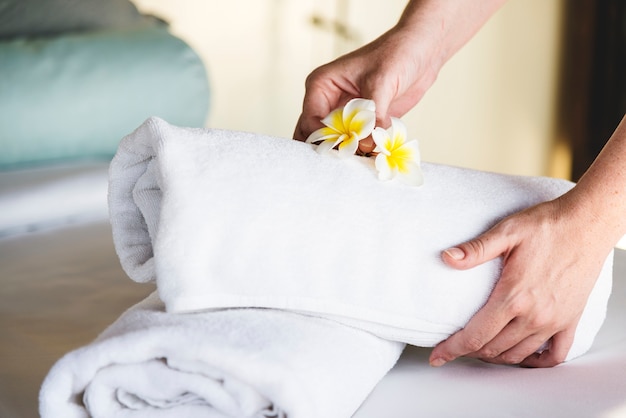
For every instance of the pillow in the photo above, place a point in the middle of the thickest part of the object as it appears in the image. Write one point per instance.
(77, 95)
(30, 18)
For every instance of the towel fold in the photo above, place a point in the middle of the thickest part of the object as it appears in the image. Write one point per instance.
(224, 219)
(257, 363)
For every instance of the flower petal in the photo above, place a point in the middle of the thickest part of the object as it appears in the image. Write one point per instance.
(362, 124)
(397, 133)
(348, 146)
(382, 165)
(381, 139)
(334, 120)
(353, 107)
(322, 134)
(326, 146)
(356, 105)
(414, 148)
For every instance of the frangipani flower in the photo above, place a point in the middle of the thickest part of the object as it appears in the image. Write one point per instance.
(397, 157)
(345, 127)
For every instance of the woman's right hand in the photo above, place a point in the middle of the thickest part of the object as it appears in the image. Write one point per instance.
(397, 69)
(391, 71)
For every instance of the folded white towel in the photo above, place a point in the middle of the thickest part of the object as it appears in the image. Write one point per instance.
(229, 219)
(257, 363)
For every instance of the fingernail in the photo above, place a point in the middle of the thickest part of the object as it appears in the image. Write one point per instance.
(456, 253)
(438, 362)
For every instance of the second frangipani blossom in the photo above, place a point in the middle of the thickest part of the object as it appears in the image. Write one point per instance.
(345, 127)
(397, 157)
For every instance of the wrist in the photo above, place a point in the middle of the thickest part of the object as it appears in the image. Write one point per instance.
(600, 216)
(443, 27)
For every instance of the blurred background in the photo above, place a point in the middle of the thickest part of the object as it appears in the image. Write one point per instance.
(528, 95)
(536, 92)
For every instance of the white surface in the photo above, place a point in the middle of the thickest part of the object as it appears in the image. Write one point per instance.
(39, 198)
(593, 385)
(60, 288)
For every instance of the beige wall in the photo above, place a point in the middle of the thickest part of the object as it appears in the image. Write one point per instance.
(492, 107)
(494, 103)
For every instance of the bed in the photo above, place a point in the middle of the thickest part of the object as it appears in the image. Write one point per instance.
(62, 284)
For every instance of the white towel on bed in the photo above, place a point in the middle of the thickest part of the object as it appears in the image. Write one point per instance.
(256, 363)
(229, 219)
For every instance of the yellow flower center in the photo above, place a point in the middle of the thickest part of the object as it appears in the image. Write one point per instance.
(399, 157)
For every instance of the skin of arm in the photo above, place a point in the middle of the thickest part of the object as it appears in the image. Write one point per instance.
(552, 255)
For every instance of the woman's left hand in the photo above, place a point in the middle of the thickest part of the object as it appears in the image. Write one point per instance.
(552, 258)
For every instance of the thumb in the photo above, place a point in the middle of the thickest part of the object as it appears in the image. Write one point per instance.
(472, 253)
(314, 109)
(382, 97)
(382, 100)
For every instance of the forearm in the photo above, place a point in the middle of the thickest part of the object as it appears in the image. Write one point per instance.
(600, 195)
(447, 25)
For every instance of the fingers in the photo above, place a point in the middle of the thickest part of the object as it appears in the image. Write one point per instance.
(315, 108)
(509, 346)
(377, 89)
(514, 355)
(498, 333)
(320, 99)
(488, 322)
(481, 329)
(304, 127)
(325, 90)
(512, 345)
(555, 353)
(534, 301)
(366, 145)
(472, 253)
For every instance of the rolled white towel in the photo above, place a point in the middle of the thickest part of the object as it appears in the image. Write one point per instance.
(229, 219)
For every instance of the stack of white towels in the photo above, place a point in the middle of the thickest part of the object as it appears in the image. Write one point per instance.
(288, 281)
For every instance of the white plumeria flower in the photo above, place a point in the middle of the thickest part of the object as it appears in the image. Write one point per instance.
(345, 127)
(397, 157)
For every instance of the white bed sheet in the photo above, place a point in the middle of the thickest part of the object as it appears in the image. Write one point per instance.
(61, 286)
(44, 197)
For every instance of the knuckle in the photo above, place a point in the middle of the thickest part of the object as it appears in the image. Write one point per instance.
(510, 225)
(315, 78)
(518, 306)
(538, 322)
(473, 344)
(491, 355)
(477, 247)
(488, 360)
(448, 357)
(514, 309)
(508, 358)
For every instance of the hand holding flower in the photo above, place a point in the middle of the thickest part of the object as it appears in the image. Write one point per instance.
(346, 126)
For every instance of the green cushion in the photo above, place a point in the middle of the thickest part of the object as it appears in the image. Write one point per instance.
(76, 95)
